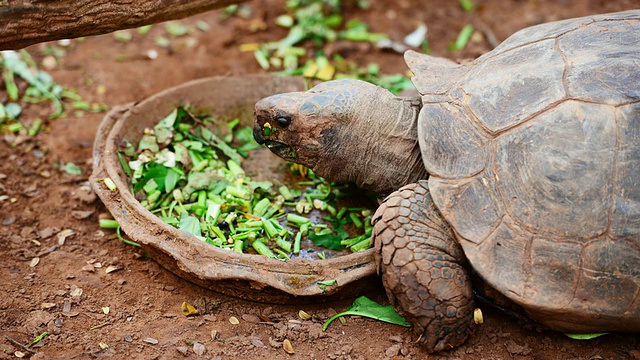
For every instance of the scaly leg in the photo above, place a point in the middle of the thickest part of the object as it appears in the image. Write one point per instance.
(422, 267)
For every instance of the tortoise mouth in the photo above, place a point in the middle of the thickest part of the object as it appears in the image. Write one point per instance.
(281, 149)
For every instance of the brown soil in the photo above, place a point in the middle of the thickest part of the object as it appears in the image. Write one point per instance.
(144, 299)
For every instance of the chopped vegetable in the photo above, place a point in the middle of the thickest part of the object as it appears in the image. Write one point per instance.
(191, 175)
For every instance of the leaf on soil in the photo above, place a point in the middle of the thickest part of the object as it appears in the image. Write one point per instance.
(585, 336)
(70, 168)
(365, 307)
(188, 309)
(199, 348)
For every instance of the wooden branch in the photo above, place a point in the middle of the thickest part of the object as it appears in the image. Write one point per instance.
(26, 22)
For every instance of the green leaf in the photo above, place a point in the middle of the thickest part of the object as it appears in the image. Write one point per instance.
(323, 284)
(164, 129)
(585, 336)
(71, 168)
(365, 307)
(189, 224)
(149, 142)
(156, 172)
(12, 110)
(466, 5)
(329, 241)
(463, 38)
(171, 180)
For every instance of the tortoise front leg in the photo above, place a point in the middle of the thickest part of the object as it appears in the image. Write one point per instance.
(422, 267)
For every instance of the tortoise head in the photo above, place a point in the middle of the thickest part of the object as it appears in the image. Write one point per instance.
(309, 127)
(345, 131)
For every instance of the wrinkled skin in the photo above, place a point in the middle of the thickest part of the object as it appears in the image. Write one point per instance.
(334, 130)
(377, 148)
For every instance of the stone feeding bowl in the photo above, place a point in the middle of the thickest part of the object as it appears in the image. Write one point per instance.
(247, 276)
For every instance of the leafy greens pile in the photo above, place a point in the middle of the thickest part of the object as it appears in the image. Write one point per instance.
(192, 178)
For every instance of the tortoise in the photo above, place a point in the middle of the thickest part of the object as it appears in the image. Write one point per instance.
(521, 168)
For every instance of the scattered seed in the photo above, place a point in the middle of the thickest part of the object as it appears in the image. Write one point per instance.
(34, 261)
(286, 345)
(80, 215)
(75, 291)
(63, 235)
(303, 315)
(19, 354)
(112, 268)
(103, 345)
(47, 305)
(110, 184)
(151, 341)
(105, 310)
(214, 334)
(477, 316)
(234, 320)
(88, 268)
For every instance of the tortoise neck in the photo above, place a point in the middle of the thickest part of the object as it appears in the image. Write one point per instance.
(383, 152)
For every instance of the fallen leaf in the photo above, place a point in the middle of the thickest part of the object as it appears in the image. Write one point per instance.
(188, 309)
(286, 345)
(199, 348)
(234, 320)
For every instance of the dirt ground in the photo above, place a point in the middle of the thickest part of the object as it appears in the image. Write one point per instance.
(68, 291)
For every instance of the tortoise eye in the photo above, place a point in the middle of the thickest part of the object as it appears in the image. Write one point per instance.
(283, 120)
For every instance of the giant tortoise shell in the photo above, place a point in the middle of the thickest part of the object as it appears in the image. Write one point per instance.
(533, 160)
